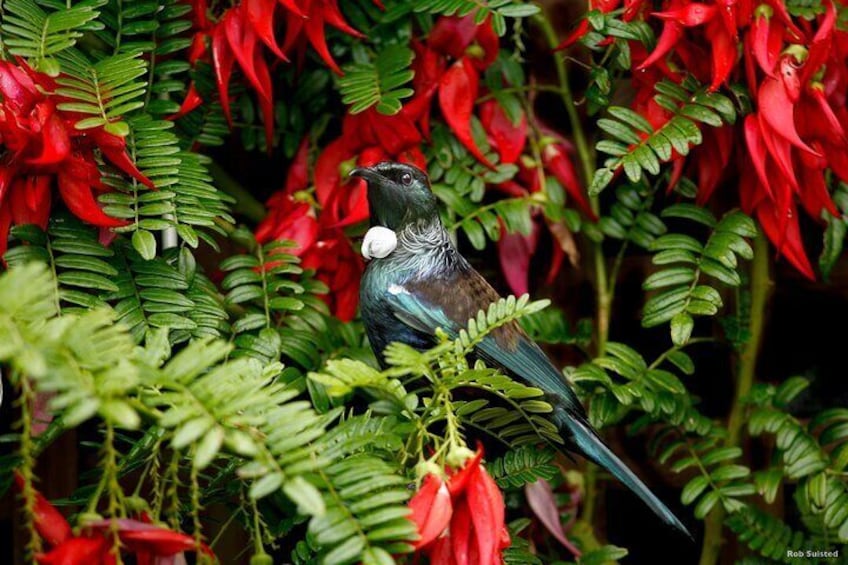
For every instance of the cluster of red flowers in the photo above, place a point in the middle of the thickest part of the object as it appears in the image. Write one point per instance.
(41, 144)
(795, 71)
(461, 520)
(148, 543)
(242, 33)
(320, 243)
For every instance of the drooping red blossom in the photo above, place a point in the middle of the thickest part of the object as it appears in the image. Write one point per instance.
(461, 521)
(795, 71)
(320, 243)
(507, 137)
(50, 524)
(242, 33)
(515, 250)
(338, 266)
(431, 509)
(147, 542)
(290, 218)
(42, 148)
(448, 65)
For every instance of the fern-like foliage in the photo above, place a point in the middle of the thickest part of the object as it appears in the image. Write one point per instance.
(523, 465)
(720, 478)
(765, 534)
(184, 200)
(84, 360)
(630, 218)
(511, 412)
(459, 180)
(83, 267)
(39, 35)
(157, 29)
(213, 408)
(635, 146)
(381, 82)
(622, 380)
(104, 90)
(260, 283)
(684, 260)
(207, 124)
(822, 491)
(498, 10)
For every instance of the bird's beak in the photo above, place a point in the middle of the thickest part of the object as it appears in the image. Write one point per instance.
(367, 173)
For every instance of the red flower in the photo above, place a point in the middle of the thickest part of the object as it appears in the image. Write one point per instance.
(243, 32)
(515, 250)
(41, 144)
(461, 521)
(50, 524)
(288, 217)
(146, 541)
(321, 245)
(339, 267)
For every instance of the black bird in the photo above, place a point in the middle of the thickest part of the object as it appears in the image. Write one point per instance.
(425, 284)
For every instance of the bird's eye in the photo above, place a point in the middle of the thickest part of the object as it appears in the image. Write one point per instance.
(406, 179)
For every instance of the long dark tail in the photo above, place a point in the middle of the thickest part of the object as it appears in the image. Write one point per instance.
(594, 448)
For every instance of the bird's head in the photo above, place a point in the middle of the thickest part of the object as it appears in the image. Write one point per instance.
(398, 194)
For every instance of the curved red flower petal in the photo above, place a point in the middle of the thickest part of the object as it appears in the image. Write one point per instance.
(777, 110)
(50, 524)
(462, 534)
(670, 35)
(785, 233)
(431, 510)
(557, 161)
(515, 250)
(314, 27)
(114, 148)
(489, 41)
(80, 201)
(191, 101)
(55, 142)
(260, 14)
(487, 513)
(690, 15)
(757, 149)
(576, 35)
(17, 87)
(76, 551)
(29, 201)
(508, 138)
(458, 481)
(5, 226)
(457, 94)
(327, 175)
(451, 35)
(222, 60)
(332, 15)
(242, 40)
(297, 177)
(393, 133)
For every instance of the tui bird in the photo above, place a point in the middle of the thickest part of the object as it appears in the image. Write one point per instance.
(425, 284)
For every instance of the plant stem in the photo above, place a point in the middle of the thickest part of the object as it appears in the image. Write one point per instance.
(761, 286)
(245, 203)
(27, 468)
(603, 296)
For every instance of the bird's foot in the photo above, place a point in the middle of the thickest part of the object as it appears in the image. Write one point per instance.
(379, 242)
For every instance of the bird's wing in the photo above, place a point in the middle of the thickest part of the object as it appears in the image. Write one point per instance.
(450, 303)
